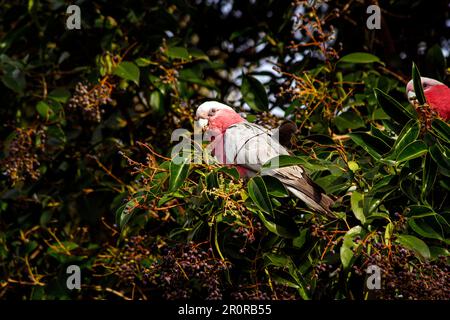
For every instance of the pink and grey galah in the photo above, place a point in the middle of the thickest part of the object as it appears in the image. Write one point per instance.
(248, 146)
(436, 93)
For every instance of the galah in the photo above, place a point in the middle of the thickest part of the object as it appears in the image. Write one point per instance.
(436, 93)
(248, 146)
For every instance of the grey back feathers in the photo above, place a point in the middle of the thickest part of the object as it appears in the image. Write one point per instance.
(250, 146)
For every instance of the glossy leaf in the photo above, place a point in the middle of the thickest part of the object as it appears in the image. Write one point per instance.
(349, 120)
(429, 175)
(284, 231)
(178, 53)
(418, 89)
(441, 130)
(128, 71)
(413, 150)
(359, 57)
(436, 63)
(357, 203)
(44, 110)
(179, 169)
(346, 251)
(275, 187)
(421, 227)
(415, 244)
(409, 134)
(254, 94)
(373, 145)
(439, 155)
(393, 108)
(437, 252)
(258, 193)
(60, 95)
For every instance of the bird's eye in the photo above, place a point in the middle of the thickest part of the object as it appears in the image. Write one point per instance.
(425, 85)
(212, 111)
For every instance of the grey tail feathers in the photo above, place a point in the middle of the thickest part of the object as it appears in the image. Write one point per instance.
(299, 184)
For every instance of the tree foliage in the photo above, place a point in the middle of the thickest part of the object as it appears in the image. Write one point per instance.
(87, 176)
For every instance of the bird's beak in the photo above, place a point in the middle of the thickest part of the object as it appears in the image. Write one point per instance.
(201, 123)
(411, 96)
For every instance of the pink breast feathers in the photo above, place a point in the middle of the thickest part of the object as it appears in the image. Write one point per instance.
(439, 99)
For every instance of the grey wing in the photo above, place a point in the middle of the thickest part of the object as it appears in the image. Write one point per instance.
(297, 181)
(250, 145)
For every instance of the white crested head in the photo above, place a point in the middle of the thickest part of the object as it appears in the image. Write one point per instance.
(207, 110)
(427, 83)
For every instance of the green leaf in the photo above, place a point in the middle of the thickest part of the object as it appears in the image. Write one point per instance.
(349, 120)
(254, 94)
(382, 135)
(56, 135)
(44, 110)
(275, 187)
(346, 251)
(421, 227)
(144, 62)
(14, 79)
(212, 180)
(414, 244)
(419, 211)
(393, 108)
(177, 53)
(418, 89)
(357, 204)
(283, 161)
(179, 169)
(388, 232)
(301, 239)
(373, 145)
(413, 150)
(232, 172)
(277, 260)
(128, 71)
(198, 54)
(435, 62)
(59, 95)
(125, 212)
(429, 175)
(285, 282)
(258, 193)
(359, 57)
(409, 134)
(437, 252)
(384, 185)
(289, 231)
(441, 130)
(286, 161)
(440, 156)
(156, 102)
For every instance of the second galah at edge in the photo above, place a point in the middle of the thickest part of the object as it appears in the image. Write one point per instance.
(248, 146)
(436, 93)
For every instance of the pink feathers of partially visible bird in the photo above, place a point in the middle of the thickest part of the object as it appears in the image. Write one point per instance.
(436, 93)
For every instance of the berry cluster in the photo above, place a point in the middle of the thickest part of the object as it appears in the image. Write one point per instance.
(88, 101)
(22, 158)
(183, 271)
(248, 232)
(187, 271)
(264, 292)
(129, 263)
(404, 276)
